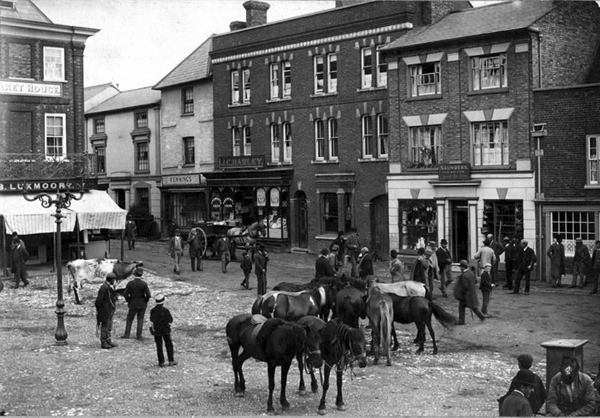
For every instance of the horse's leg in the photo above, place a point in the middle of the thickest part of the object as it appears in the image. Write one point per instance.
(375, 337)
(339, 400)
(271, 373)
(301, 387)
(234, 348)
(421, 332)
(241, 358)
(432, 335)
(395, 338)
(285, 368)
(314, 385)
(322, 404)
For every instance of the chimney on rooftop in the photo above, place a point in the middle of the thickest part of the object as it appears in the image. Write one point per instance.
(236, 25)
(256, 13)
(342, 3)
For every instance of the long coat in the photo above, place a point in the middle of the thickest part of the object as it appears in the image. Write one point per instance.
(556, 252)
(365, 265)
(19, 257)
(195, 246)
(468, 289)
(137, 294)
(105, 302)
(323, 268)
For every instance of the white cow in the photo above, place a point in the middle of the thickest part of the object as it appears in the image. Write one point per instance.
(96, 270)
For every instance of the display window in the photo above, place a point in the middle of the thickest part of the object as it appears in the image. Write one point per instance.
(418, 223)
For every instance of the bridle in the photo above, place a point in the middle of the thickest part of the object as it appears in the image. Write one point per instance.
(306, 353)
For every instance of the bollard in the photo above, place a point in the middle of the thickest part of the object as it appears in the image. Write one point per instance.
(556, 350)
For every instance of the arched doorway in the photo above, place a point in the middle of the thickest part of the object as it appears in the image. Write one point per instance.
(301, 219)
(380, 228)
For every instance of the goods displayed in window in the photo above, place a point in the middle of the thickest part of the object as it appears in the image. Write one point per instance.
(418, 223)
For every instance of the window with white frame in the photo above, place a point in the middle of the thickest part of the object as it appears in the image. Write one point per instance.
(329, 212)
(592, 158)
(333, 139)
(242, 141)
(382, 135)
(367, 137)
(325, 73)
(142, 156)
(382, 69)
(373, 68)
(573, 225)
(189, 155)
(490, 143)
(275, 143)
(332, 76)
(281, 80)
(425, 146)
(100, 152)
(287, 141)
(319, 140)
(425, 79)
(367, 68)
(56, 137)
(141, 119)
(240, 86)
(99, 127)
(187, 101)
(54, 64)
(489, 72)
(247, 138)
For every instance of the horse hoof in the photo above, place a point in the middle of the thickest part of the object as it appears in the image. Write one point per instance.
(435, 351)
(322, 412)
(341, 407)
(395, 348)
(239, 394)
(419, 351)
(302, 392)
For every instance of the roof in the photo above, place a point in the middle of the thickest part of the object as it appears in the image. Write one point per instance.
(91, 91)
(195, 67)
(500, 17)
(24, 10)
(144, 96)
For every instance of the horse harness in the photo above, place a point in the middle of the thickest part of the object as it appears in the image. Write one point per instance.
(344, 340)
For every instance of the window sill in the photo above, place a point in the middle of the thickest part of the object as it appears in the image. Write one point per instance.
(238, 105)
(279, 163)
(278, 100)
(324, 162)
(373, 160)
(364, 90)
(488, 91)
(58, 80)
(141, 172)
(185, 115)
(425, 97)
(591, 187)
(317, 95)
(189, 165)
(327, 236)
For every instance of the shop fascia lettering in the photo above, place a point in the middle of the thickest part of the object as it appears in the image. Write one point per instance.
(241, 162)
(37, 186)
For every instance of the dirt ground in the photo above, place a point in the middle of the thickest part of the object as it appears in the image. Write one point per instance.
(473, 368)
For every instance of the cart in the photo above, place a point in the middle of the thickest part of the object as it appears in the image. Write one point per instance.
(209, 233)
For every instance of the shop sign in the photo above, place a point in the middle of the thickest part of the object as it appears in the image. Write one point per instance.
(454, 171)
(41, 186)
(252, 161)
(182, 180)
(30, 89)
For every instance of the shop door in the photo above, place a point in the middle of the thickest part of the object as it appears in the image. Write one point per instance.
(302, 220)
(460, 231)
(121, 198)
(380, 228)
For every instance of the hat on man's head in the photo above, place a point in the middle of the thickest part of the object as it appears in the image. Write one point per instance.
(110, 277)
(14, 234)
(364, 250)
(578, 239)
(428, 251)
(335, 247)
(160, 299)
(487, 264)
(324, 251)
(444, 241)
(464, 263)
(525, 377)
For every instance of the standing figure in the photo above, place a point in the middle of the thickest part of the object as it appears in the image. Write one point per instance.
(485, 255)
(434, 271)
(130, 231)
(105, 310)
(510, 259)
(571, 392)
(498, 249)
(466, 293)
(444, 262)
(526, 259)
(224, 250)
(176, 250)
(333, 258)
(195, 250)
(172, 227)
(596, 266)
(246, 266)
(486, 285)
(538, 397)
(19, 256)
(516, 404)
(580, 262)
(556, 253)
(137, 295)
(365, 264)
(260, 268)
(322, 266)
(419, 272)
(352, 250)
(162, 319)
(396, 267)
(340, 241)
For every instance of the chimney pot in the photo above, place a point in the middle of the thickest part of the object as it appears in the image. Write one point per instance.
(256, 13)
(236, 25)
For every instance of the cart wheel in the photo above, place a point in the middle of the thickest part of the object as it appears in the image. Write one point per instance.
(203, 242)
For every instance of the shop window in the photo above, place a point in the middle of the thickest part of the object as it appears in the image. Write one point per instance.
(329, 213)
(228, 205)
(215, 205)
(189, 208)
(503, 218)
(572, 225)
(418, 223)
(272, 207)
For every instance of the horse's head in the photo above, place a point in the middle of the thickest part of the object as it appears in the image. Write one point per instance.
(312, 347)
(358, 346)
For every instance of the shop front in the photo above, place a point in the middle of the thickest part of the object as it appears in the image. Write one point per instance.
(184, 199)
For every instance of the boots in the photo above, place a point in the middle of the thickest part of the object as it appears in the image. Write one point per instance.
(173, 363)
(112, 344)
(106, 345)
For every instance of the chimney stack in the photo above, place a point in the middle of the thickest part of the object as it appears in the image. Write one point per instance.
(342, 3)
(236, 25)
(256, 13)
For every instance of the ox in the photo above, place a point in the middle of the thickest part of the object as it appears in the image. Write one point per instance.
(94, 269)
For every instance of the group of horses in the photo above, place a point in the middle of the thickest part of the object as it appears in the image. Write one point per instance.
(318, 323)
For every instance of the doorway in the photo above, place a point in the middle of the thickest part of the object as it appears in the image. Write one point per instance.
(301, 219)
(460, 230)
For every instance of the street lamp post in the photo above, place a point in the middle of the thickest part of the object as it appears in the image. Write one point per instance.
(61, 201)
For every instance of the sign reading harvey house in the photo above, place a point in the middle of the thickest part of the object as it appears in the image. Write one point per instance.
(454, 171)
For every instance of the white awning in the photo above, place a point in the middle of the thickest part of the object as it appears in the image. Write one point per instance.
(96, 210)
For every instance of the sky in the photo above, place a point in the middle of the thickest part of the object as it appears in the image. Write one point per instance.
(141, 41)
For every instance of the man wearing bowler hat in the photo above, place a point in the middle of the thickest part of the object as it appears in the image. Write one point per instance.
(516, 404)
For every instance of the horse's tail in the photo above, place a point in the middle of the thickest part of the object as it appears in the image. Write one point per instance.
(257, 305)
(444, 317)
(385, 325)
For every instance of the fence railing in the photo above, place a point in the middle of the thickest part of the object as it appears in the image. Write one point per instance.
(42, 166)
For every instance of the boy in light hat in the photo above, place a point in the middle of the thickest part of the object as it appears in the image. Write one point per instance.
(161, 329)
(486, 286)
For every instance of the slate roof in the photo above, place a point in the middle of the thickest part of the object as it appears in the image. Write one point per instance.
(24, 10)
(144, 96)
(195, 67)
(500, 17)
(91, 91)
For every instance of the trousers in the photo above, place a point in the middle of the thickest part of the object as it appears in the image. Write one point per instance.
(158, 339)
(133, 312)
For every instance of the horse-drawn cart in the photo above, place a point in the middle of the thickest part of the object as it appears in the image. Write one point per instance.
(209, 233)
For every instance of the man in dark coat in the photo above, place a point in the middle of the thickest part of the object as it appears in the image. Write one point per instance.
(465, 291)
(510, 261)
(105, 310)
(340, 241)
(130, 230)
(581, 260)
(19, 258)
(444, 259)
(538, 396)
(516, 404)
(556, 253)
(596, 267)
(526, 259)
(246, 266)
(195, 250)
(322, 266)
(365, 264)
(498, 250)
(162, 319)
(171, 228)
(224, 249)
(260, 268)
(137, 296)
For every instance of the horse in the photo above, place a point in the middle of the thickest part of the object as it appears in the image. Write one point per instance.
(275, 342)
(418, 309)
(341, 346)
(406, 288)
(291, 306)
(294, 287)
(246, 236)
(380, 311)
(350, 303)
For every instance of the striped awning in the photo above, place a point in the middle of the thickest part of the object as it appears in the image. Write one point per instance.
(96, 210)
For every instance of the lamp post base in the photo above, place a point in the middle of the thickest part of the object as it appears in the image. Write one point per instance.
(61, 331)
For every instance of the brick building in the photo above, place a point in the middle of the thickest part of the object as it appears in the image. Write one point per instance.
(301, 121)
(463, 159)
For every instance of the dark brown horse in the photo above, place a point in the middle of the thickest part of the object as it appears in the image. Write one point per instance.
(341, 346)
(275, 342)
(380, 311)
(350, 303)
(418, 309)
